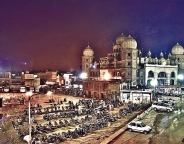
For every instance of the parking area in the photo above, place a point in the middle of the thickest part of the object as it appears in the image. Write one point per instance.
(164, 124)
(10, 135)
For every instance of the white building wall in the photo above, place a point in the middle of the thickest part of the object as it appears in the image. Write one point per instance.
(136, 96)
(160, 68)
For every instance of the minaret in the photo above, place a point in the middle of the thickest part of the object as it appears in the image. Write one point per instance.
(129, 59)
(87, 59)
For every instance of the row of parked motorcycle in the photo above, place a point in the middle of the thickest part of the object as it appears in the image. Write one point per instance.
(94, 115)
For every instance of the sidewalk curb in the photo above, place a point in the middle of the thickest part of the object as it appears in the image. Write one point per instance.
(121, 130)
(113, 136)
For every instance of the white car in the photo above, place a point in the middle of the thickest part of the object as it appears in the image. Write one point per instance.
(162, 107)
(169, 102)
(160, 99)
(139, 127)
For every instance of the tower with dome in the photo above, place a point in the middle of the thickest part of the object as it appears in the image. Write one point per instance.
(178, 54)
(121, 63)
(87, 59)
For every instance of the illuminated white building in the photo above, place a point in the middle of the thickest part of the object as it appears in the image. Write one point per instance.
(127, 64)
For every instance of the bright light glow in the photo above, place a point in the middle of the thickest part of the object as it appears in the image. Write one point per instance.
(180, 77)
(154, 82)
(49, 93)
(83, 75)
(107, 76)
(26, 138)
(29, 93)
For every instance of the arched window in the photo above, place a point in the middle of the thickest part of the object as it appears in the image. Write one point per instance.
(162, 74)
(96, 74)
(172, 74)
(150, 74)
(87, 66)
(171, 82)
(91, 73)
(119, 57)
(118, 73)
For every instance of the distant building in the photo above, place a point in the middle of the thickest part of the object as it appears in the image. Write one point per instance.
(28, 79)
(67, 80)
(48, 77)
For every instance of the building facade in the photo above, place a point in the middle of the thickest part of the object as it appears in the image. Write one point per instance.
(127, 64)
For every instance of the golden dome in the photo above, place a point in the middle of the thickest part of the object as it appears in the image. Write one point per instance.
(120, 39)
(88, 51)
(129, 42)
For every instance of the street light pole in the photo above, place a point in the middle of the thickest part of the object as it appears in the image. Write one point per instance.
(180, 81)
(106, 77)
(83, 76)
(154, 83)
(29, 94)
(29, 121)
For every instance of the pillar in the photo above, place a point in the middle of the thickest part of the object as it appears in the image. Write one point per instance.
(168, 77)
(155, 75)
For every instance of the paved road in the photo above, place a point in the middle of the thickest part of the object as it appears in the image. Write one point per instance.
(132, 138)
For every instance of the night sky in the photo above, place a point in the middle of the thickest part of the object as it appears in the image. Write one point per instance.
(52, 34)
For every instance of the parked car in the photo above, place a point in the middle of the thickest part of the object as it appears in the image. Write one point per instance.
(160, 99)
(161, 107)
(169, 102)
(139, 126)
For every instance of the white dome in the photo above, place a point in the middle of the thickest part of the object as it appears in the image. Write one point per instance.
(149, 53)
(88, 51)
(129, 42)
(120, 39)
(177, 49)
(163, 61)
(161, 54)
